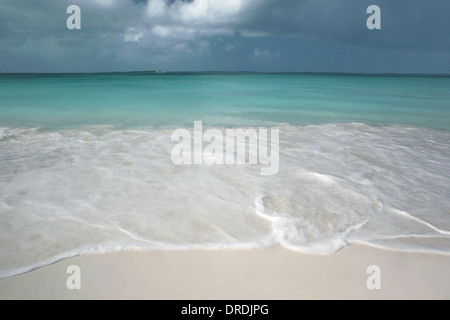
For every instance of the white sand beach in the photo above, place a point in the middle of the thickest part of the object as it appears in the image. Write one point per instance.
(255, 274)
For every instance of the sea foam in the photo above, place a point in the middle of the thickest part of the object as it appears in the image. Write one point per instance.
(99, 189)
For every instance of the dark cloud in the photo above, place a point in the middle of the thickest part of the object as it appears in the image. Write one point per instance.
(261, 35)
(405, 24)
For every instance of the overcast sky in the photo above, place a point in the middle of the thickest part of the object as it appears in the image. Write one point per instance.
(227, 35)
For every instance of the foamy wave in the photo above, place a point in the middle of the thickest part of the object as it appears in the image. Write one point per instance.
(102, 189)
(290, 232)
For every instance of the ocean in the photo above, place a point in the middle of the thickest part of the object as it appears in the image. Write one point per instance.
(86, 167)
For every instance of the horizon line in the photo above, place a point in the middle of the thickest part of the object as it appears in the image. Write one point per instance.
(161, 72)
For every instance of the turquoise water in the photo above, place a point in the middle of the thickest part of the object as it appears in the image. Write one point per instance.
(86, 166)
(133, 100)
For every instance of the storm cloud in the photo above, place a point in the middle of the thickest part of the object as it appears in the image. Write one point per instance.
(254, 35)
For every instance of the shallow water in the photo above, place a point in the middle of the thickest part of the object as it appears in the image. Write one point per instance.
(89, 175)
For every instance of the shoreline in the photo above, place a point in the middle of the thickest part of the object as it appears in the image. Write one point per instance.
(258, 274)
